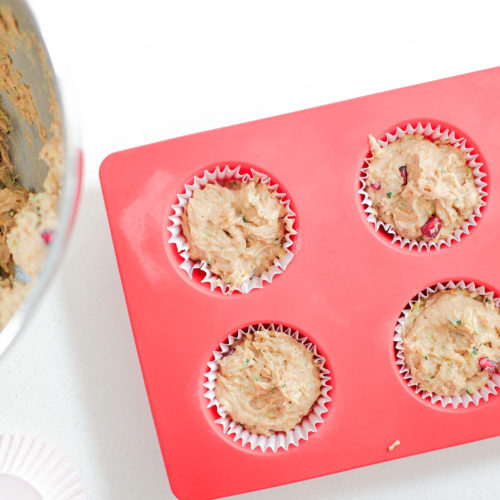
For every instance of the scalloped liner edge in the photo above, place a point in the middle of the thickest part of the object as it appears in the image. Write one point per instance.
(278, 440)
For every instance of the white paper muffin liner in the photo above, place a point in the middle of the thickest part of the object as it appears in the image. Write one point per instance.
(182, 245)
(485, 392)
(41, 466)
(309, 423)
(434, 134)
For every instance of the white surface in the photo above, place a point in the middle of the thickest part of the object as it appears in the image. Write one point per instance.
(144, 71)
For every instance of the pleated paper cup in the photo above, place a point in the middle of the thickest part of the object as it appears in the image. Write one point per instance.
(301, 431)
(177, 237)
(434, 134)
(482, 394)
(41, 466)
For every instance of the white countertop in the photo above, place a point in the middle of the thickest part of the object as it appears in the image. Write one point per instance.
(151, 70)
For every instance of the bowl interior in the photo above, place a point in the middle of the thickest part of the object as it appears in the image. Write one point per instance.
(30, 58)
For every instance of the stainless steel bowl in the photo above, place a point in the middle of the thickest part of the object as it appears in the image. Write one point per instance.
(30, 170)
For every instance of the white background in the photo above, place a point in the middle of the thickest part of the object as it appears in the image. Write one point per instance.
(143, 71)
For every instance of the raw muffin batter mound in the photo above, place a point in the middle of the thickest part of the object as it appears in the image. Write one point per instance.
(238, 229)
(424, 189)
(268, 383)
(451, 342)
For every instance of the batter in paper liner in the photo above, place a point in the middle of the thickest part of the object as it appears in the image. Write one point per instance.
(268, 383)
(424, 189)
(446, 339)
(239, 229)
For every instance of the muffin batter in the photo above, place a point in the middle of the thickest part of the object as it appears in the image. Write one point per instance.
(424, 189)
(451, 342)
(12, 198)
(238, 229)
(27, 220)
(268, 383)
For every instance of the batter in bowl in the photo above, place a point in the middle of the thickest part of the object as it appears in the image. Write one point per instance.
(27, 222)
(27, 219)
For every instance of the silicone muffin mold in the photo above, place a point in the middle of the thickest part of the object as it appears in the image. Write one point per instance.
(345, 288)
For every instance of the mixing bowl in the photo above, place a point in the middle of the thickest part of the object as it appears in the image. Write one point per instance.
(29, 56)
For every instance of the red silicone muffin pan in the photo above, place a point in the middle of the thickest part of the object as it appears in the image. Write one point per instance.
(344, 289)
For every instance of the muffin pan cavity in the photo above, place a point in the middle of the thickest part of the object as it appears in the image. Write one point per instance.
(344, 288)
(472, 398)
(436, 132)
(200, 271)
(280, 440)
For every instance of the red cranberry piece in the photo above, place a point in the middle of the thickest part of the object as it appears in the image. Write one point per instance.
(489, 365)
(47, 236)
(376, 186)
(432, 227)
(404, 174)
